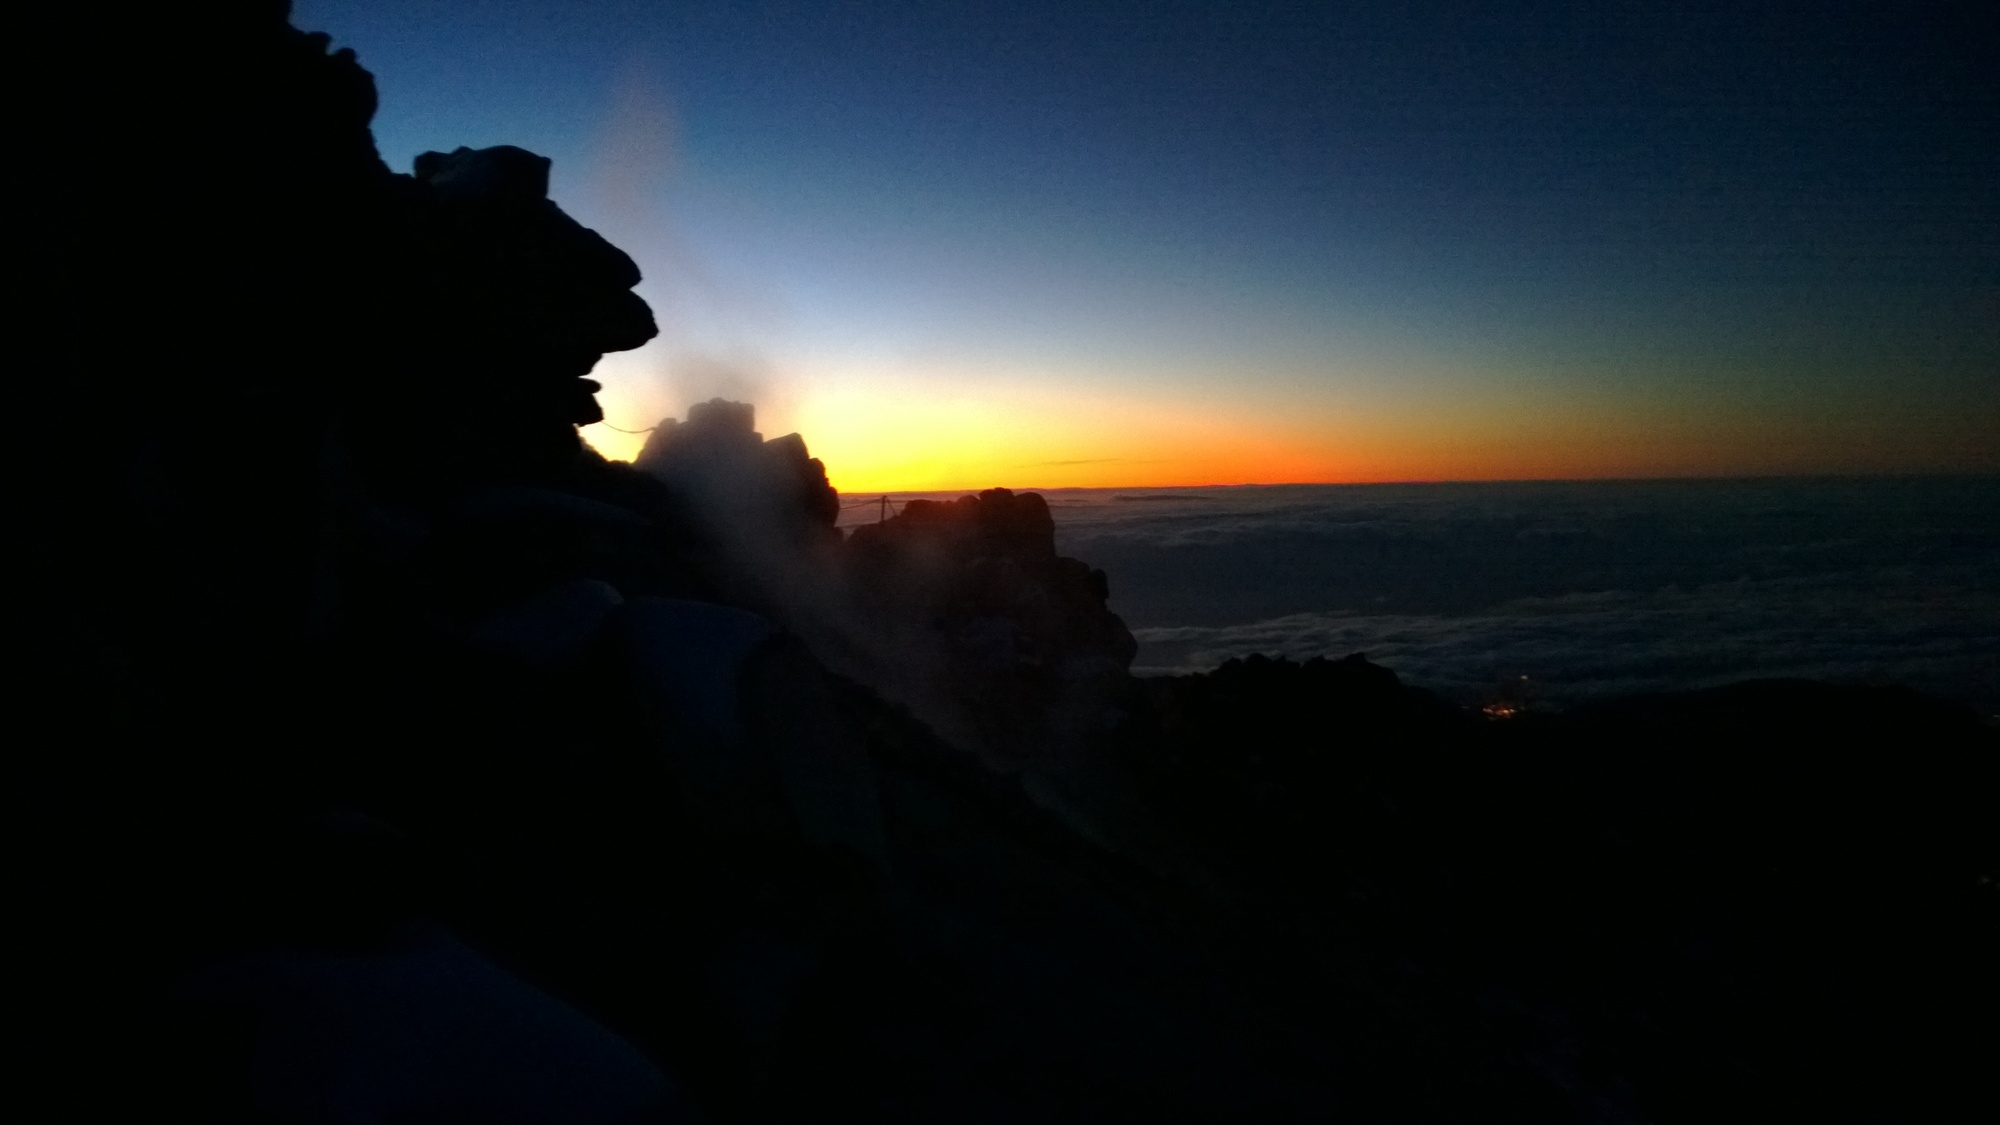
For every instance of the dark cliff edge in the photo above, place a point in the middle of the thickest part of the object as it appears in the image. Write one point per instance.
(384, 754)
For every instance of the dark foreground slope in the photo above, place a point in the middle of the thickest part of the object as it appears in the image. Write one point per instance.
(375, 768)
(1770, 901)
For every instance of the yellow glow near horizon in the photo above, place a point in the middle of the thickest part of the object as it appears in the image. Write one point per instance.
(879, 438)
(883, 434)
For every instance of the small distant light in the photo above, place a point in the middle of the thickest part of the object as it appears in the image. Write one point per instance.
(1500, 710)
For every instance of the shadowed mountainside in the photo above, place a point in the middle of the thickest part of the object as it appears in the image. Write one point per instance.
(388, 755)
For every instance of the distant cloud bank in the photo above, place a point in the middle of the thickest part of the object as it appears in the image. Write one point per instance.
(1582, 646)
(1586, 589)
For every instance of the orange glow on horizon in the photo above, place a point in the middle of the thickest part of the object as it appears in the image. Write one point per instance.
(876, 436)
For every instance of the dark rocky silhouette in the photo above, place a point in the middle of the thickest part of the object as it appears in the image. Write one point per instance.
(533, 298)
(962, 611)
(385, 754)
(765, 506)
(1660, 906)
(718, 449)
(1023, 656)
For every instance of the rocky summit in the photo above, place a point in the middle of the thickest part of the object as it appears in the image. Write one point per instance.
(384, 754)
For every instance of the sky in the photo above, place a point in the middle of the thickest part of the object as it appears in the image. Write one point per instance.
(958, 245)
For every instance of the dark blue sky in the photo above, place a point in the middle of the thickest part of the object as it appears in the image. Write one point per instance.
(1185, 242)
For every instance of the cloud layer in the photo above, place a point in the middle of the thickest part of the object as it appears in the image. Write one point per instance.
(1588, 589)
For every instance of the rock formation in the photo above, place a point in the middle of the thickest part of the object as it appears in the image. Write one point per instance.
(1023, 656)
(770, 498)
(962, 611)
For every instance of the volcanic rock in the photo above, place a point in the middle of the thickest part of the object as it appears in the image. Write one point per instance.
(1028, 657)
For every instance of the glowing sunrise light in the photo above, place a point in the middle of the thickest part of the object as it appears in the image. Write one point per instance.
(917, 431)
(883, 437)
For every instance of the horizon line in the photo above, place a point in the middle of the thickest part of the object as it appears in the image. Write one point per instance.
(1665, 478)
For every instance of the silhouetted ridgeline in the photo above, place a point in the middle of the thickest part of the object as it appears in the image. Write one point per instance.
(385, 754)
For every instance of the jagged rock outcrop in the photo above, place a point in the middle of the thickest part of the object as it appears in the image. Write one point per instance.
(960, 610)
(771, 489)
(497, 308)
(1023, 656)
(533, 299)
(301, 369)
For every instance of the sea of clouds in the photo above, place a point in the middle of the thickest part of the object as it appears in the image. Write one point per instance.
(1586, 589)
